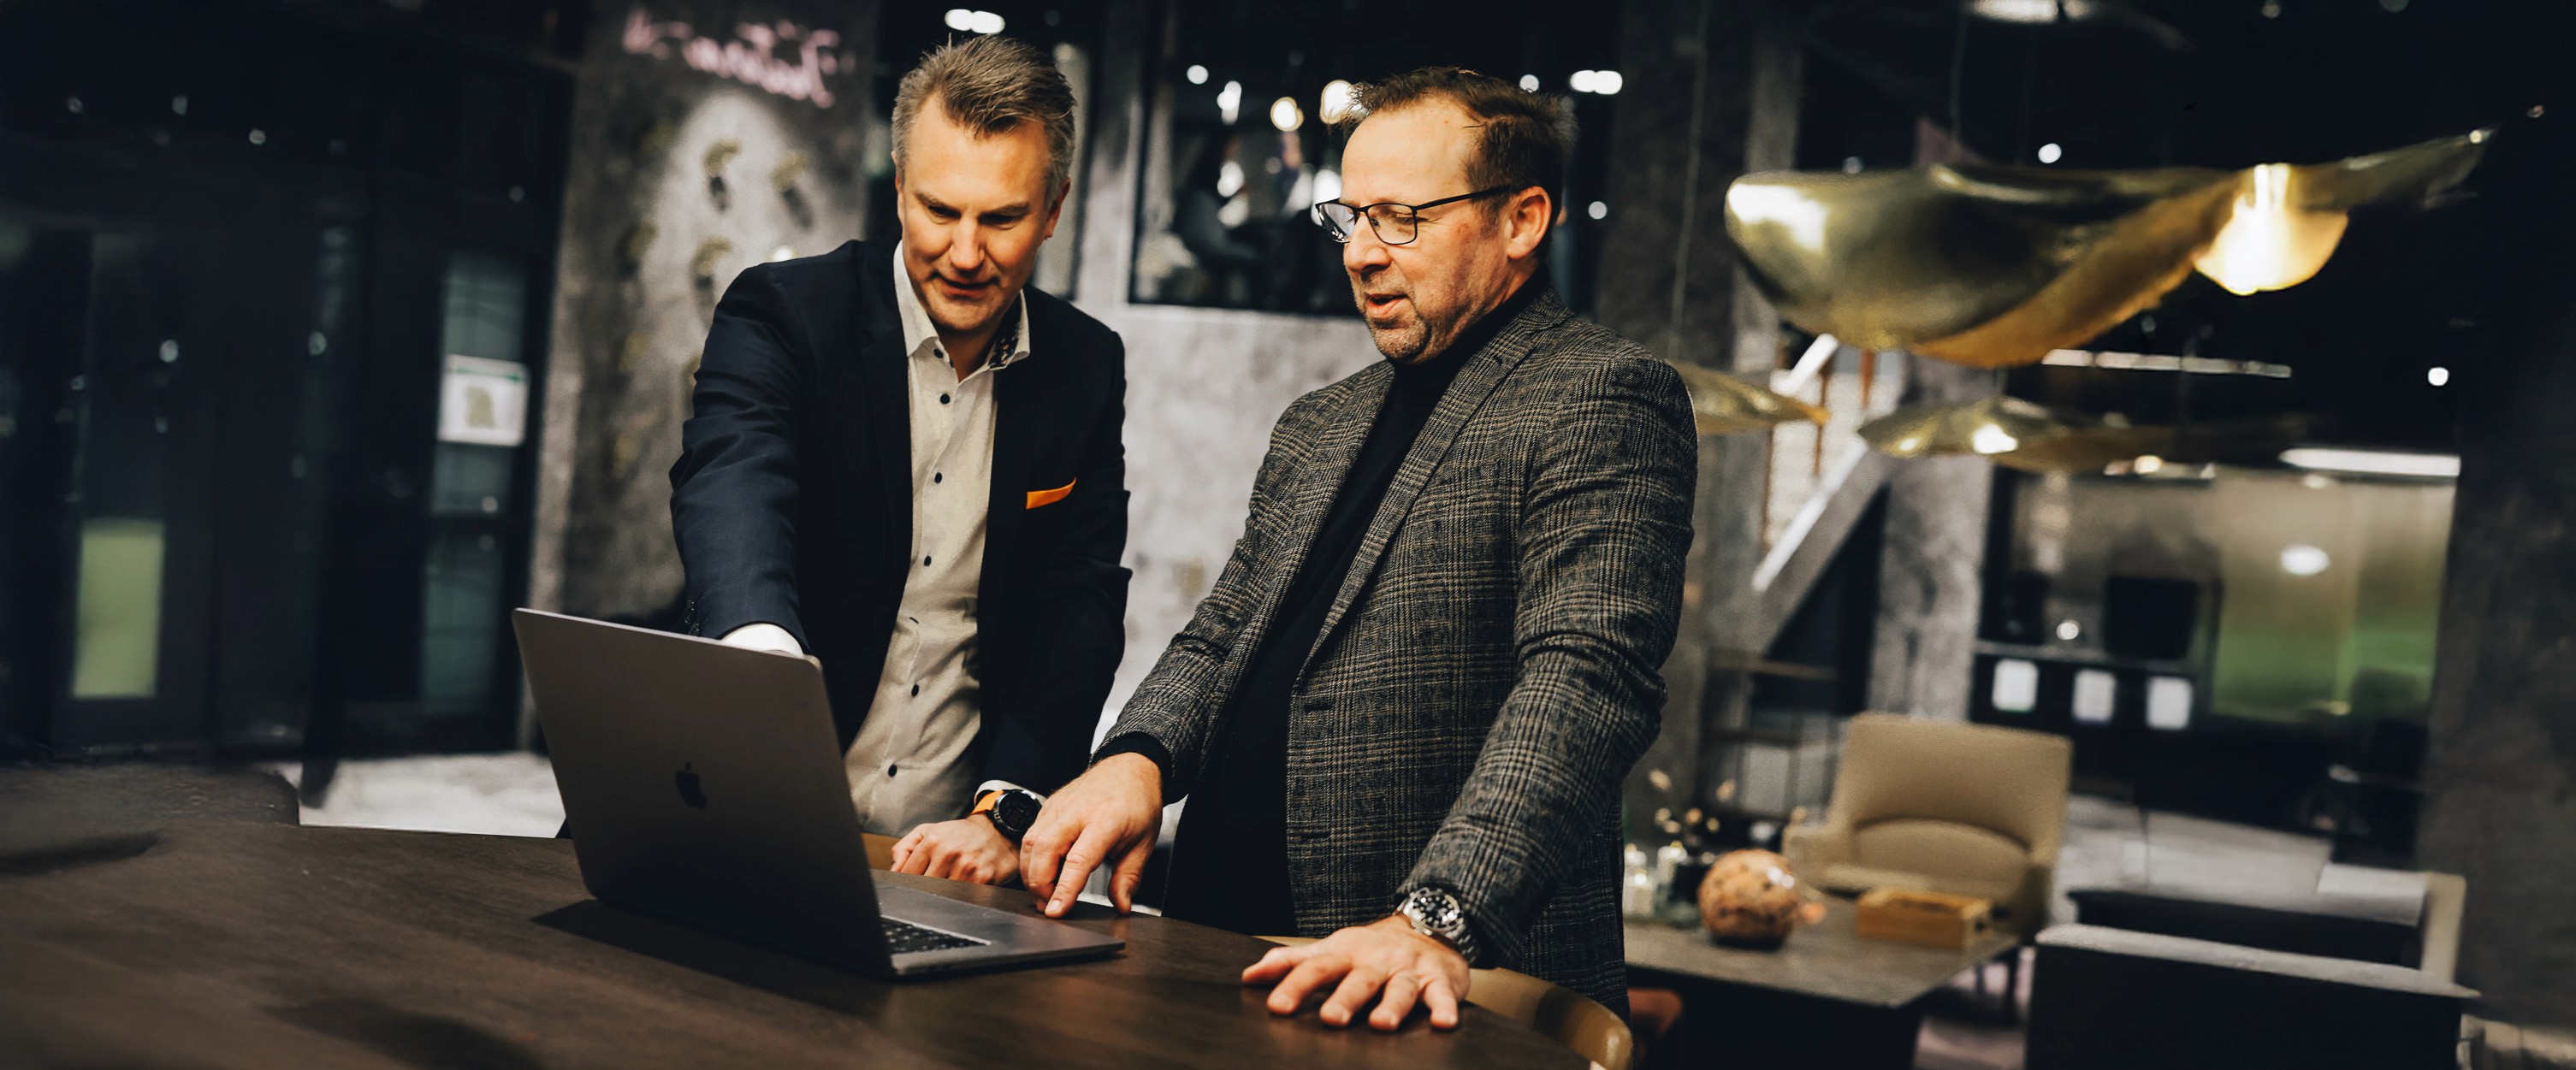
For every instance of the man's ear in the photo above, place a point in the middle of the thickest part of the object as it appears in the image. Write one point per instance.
(1527, 218)
(1055, 209)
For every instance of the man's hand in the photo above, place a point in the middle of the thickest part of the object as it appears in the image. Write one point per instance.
(967, 849)
(1382, 955)
(1110, 814)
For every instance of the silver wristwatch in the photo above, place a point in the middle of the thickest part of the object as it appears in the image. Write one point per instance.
(1434, 912)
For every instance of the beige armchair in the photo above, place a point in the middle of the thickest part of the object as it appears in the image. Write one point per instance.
(1945, 807)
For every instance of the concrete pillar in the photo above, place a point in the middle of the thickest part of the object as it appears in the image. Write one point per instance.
(2500, 788)
(1711, 93)
(1931, 557)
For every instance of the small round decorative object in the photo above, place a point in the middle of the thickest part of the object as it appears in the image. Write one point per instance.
(1749, 898)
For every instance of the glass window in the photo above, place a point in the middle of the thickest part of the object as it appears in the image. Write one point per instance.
(482, 421)
(1242, 144)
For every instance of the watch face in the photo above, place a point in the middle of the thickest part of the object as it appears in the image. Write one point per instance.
(1014, 812)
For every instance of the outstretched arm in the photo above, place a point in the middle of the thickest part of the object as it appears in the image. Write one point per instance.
(734, 492)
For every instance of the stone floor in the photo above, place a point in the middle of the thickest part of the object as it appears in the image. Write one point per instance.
(496, 794)
(2106, 843)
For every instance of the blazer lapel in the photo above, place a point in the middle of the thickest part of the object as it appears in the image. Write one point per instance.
(1022, 422)
(1319, 478)
(1327, 466)
(1467, 393)
(889, 403)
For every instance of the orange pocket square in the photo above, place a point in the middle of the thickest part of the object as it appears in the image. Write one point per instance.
(1050, 497)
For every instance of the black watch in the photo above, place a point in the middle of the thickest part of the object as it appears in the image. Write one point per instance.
(1013, 811)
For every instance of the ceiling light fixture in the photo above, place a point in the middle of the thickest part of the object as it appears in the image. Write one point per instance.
(1606, 83)
(2374, 462)
(2032, 12)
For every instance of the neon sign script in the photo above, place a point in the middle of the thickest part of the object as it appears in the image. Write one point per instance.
(750, 58)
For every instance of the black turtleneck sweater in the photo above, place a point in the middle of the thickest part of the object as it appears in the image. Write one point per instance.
(1229, 864)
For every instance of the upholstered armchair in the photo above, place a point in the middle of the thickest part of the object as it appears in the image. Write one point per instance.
(1945, 807)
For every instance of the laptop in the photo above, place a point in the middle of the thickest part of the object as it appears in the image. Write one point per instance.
(703, 785)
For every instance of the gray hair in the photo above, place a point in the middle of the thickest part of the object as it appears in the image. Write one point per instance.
(991, 85)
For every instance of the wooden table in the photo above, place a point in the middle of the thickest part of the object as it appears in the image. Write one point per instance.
(1826, 998)
(220, 944)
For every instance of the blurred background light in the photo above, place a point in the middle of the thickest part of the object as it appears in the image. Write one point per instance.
(2301, 559)
(1336, 102)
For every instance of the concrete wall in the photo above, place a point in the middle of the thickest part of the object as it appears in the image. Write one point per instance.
(675, 169)
(2500, 805)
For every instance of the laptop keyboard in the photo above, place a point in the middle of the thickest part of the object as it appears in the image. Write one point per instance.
(906, 938)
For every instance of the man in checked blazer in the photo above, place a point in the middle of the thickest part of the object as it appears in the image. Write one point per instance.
(1403, 714)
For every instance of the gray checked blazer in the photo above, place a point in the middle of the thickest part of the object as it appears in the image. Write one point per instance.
(1492, 664)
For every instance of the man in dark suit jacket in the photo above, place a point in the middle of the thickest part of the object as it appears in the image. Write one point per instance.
(1403, 714)
(907, 463)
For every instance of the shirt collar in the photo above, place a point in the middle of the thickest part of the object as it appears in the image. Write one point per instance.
(918, 331)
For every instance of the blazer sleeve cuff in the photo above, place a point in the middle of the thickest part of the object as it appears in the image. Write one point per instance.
(1498, 938)
(1140, 743)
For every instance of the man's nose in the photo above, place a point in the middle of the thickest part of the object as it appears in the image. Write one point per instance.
(966, 248)
(1364, 252)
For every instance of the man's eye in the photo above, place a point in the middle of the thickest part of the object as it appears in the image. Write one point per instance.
(943, 213)
(999, 221)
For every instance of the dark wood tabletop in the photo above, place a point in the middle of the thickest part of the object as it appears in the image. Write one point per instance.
(1826, 960)
(226, 943)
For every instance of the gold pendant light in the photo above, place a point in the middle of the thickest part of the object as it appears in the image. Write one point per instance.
(1722, 404)
(1993, 267)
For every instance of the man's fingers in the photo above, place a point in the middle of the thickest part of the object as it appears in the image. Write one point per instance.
(1131, 872)
(1397, 1001)
(1357, 988)
(940, 862)
(1443, 1003)
(1039, 853)
(1078, 864)
(1311, 974)
(1275, 964)
(903, 849)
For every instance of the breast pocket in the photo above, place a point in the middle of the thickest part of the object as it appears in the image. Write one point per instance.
(1041, 497)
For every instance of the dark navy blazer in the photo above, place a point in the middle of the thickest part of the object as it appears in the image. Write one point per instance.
(792, 500)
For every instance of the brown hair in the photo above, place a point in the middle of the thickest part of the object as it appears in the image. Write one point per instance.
(1524, 139)
(991, 85)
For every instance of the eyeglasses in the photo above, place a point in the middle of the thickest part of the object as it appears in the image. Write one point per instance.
(1395, 224)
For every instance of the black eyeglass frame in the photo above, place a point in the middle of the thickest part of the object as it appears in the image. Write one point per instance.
(1362, 211)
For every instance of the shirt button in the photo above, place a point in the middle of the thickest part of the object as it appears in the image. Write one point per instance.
(943, 399)
(936, 477)
(925, 562)
(916, 689)
(889, 770)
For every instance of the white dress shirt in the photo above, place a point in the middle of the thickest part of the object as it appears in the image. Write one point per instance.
(909, 763)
